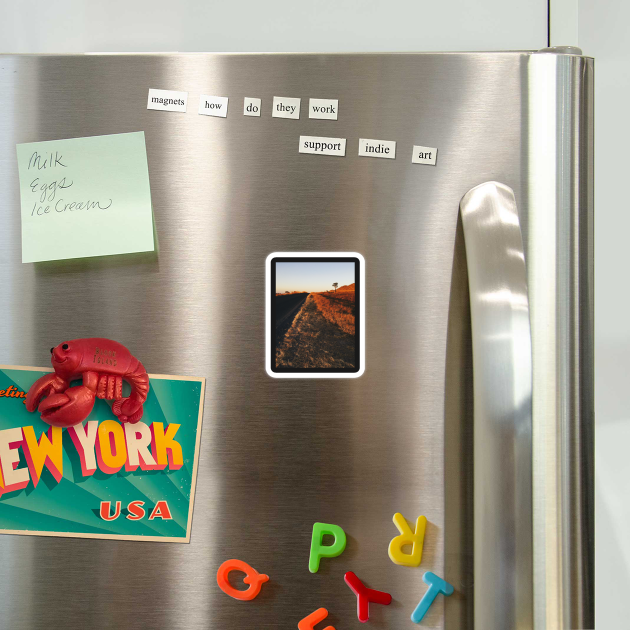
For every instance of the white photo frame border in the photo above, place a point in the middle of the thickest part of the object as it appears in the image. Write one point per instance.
(361, 305)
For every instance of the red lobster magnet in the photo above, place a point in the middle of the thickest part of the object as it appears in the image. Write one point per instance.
(103, 364)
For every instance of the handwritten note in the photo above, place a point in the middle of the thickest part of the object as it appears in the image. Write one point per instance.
(85, 197)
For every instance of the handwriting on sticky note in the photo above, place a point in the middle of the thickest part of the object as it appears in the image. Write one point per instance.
(85, 197)
(46, 186)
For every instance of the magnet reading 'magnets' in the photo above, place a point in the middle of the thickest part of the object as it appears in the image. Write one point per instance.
(103, 364)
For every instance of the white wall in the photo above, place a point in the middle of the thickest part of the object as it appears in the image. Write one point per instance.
(604, 27)
(271, 25)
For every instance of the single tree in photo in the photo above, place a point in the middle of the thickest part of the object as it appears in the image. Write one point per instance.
(335, 284)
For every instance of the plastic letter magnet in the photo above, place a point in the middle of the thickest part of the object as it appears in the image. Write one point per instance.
(252, 577)
(436, 586)
(365, 596)
(319, 551)
(308, 623)
(407, 537)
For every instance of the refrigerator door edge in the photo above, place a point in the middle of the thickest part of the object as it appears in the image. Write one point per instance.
(558, 212)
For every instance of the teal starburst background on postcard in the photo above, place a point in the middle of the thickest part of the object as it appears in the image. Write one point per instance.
(72, 505)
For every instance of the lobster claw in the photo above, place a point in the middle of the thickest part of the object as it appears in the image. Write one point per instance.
(43, 386)
(68, 408)
(127, 410)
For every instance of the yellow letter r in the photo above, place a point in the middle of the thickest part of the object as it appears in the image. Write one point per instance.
(407, 537)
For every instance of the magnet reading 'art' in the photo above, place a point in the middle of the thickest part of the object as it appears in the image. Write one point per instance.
(102, 364)
(407, 537)
(252, 577)
(309, 623)
(319, 550)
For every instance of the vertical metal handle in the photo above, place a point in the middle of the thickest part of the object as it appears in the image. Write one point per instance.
(502, 373)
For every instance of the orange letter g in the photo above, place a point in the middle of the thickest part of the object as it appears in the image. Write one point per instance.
(252, 577)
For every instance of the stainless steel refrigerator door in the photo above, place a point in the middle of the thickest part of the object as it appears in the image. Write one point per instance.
(278, 455)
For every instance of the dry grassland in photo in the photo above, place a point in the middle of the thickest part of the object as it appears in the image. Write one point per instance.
(316, 339)
(338, 307)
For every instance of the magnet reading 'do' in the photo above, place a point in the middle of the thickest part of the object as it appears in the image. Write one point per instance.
(102, 364)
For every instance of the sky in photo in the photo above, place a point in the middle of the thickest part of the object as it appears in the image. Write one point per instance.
(312, 276)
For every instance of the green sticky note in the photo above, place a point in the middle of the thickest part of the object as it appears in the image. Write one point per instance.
(85, 197)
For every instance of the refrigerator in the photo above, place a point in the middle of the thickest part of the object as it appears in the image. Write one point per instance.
(469, 399)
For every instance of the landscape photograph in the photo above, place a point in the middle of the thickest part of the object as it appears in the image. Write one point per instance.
(314, 308)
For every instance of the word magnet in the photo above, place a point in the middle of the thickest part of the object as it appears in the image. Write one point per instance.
(252, 577)
(365, 595)
(377, 148)
(323, 108)
(407, 537)
(285, 107)
(251, 106)
(213, 106)
(319, 550)
(424, 155)
(322, 146)
(436, 586)
(167, 100)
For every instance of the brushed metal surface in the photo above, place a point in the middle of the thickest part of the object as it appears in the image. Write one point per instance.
(276, 455)
(502, 369)
(560, 276)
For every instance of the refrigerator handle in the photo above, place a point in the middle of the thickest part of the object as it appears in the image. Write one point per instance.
(502, 374)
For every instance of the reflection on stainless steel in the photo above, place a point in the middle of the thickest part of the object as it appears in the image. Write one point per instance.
(502, 364)
(559, 256)
(280, 454)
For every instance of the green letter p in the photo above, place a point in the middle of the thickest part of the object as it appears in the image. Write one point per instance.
(319, 551)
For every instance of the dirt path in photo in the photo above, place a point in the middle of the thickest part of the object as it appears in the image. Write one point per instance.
(314, 342)
(287, 307)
